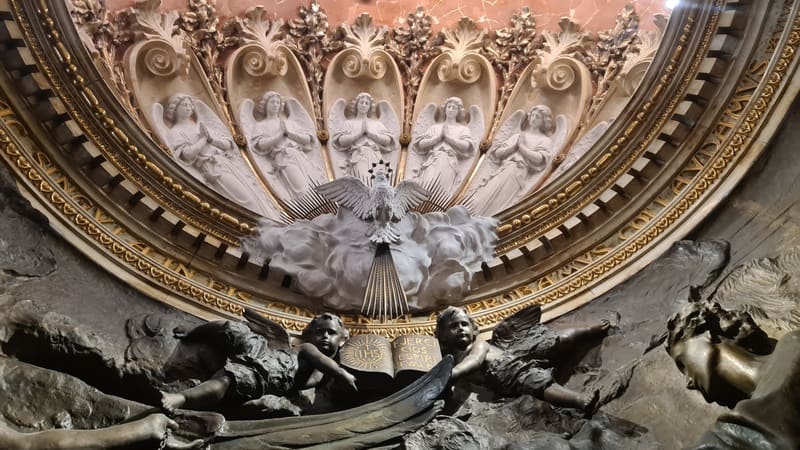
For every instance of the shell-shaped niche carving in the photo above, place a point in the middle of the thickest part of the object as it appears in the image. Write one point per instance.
(539, 121)
(273, 107)
(362, 100)
(179, 106)
(452, 113)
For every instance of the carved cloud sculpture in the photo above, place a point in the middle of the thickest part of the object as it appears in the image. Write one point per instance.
(329, 257)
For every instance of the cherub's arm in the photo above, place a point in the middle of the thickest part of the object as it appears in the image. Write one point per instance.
(473, 360)
(324, 364)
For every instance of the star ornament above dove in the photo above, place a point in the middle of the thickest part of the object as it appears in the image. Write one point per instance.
(381, 203)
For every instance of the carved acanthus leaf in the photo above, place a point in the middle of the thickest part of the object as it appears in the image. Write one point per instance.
(148, 23)
(568, 42)
(364, 36)
(365, 54)
(462, 60)
(255, 27)
(466, 37)
(267, 35)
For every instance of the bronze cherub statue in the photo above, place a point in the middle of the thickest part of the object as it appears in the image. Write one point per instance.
(520, 358)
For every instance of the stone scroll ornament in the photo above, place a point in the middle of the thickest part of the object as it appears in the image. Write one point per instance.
(363, 132)
(282, 137)
(523, 150)
(444, 143)
(202, 146)
(434, 255)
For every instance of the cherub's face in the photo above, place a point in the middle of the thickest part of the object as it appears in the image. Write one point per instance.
(273, 104)
(451, 110)
(328, 337)
(363, 104)
(457, 331)
(184, 109)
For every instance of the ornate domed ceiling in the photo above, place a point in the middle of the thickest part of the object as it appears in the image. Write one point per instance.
(158, 138)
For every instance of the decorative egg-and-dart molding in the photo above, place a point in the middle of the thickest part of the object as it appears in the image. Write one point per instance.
(155, 141)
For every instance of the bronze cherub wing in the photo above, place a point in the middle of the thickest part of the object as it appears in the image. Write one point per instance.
(516, 325)
(276, 335)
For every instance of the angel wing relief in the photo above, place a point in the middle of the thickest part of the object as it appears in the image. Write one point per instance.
(521, 155)
(444, 144)
(203, 146)
(363, 132)
(282, 138)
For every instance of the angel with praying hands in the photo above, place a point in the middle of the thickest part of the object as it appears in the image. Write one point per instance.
(286, 147)
(444, 140)
(520, 357)
(260, 364)
(365, 131)
(524, 148)
(204, 147)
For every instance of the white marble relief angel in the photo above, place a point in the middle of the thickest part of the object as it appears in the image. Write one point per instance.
(523, 149)
(282, 137)
(365, 132)
(202, 145)
(445, 140)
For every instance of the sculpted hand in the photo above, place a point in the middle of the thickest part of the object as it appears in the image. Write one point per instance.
(349, 379)
(156, 426)
(204, 133)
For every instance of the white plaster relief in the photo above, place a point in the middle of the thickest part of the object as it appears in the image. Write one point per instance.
(522, 153)
(363, 132)
(202, 145)
(444, 143)
(282, 137)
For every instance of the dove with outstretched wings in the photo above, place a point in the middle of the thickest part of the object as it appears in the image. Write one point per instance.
(381, 203)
